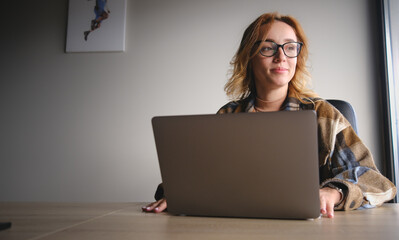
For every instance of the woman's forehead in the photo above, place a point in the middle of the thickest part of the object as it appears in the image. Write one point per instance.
(277, 31)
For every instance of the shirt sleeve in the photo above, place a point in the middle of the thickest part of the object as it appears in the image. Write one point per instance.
(350, 164)
(159, 193)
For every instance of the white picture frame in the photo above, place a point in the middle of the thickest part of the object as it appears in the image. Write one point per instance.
(96, 26)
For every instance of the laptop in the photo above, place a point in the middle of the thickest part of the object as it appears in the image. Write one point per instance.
(252, 165)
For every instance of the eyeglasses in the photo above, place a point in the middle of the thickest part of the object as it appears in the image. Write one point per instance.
(290, 49)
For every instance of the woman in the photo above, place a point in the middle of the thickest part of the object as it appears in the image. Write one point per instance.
(269, 74)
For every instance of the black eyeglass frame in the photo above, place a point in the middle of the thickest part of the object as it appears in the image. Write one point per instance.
(280, 46)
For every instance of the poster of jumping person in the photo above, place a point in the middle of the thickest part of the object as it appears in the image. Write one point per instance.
(102, 12)
(93, 28)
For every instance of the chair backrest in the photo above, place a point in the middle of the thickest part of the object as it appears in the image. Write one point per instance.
(347, 110)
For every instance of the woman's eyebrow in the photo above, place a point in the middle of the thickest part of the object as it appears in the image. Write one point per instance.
(285, 40)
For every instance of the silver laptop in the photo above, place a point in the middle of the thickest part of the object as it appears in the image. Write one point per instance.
(262, 165)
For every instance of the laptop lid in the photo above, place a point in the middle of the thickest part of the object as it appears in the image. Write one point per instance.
(262, 165)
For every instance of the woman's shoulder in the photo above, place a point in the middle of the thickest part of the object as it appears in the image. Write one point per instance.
(326, 109)
(323, 108)
(329, 115)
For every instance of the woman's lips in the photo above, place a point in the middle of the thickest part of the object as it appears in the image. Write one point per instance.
(279, 70)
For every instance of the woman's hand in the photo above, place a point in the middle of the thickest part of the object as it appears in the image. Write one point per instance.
(156, 207)
(328, 198)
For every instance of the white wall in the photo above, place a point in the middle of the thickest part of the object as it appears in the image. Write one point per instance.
(76, 127)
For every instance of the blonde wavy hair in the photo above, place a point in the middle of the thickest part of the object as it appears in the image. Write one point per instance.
(241, 83)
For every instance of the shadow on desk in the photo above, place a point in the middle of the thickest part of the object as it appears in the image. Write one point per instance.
(5, 225)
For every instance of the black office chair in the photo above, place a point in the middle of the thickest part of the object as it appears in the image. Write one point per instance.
(347, 110)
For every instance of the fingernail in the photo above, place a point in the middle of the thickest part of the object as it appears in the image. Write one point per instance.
(157, 209)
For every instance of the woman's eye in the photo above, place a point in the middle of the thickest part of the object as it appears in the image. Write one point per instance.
(266, 49)
(291, 47)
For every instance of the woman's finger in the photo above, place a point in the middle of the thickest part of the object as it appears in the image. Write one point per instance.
(161, 206)
(330, 209)
(151, 206)
(157, 206)
(323, 209)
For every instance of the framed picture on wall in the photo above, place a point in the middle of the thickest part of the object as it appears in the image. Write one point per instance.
(96, 26)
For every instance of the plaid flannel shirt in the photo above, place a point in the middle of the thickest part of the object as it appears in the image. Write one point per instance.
(344, 160)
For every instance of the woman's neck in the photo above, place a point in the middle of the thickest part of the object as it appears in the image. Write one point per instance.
(269, 103)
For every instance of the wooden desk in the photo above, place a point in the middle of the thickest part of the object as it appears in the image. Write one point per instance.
(127, 221)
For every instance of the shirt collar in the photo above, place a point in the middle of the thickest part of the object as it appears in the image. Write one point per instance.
(289, 104)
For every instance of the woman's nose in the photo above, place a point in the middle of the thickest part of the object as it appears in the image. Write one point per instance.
(280, 56)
